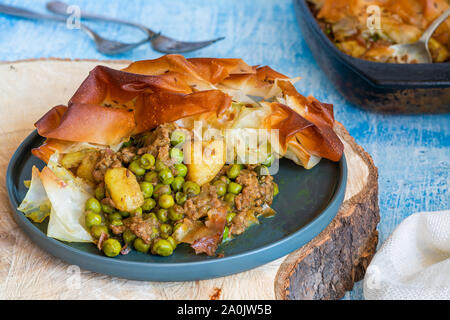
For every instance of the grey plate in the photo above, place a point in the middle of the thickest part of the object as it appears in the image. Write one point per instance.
(307, 203)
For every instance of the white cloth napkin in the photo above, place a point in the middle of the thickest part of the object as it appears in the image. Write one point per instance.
(414, 262)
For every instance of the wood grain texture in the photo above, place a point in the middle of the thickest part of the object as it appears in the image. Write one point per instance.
(411, 152)
(28, 272)
(331, 263)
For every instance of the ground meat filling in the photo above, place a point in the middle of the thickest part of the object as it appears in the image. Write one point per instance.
(256, 196)
(207, 241)
(255, 192)
(117, 229)
(242, 221)
(146, 229)
(107, 159)
(110, 159)
(198, 207)
(127, 154)
(205, 213)
(158, 144)
(108, 201)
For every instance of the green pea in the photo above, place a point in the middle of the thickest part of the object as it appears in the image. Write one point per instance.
(92, 219)
(163, 215)
(172, 242)
(191, 188)
(163, 248)
(221, 187)
(149, 204)
(159, 165)
(275, 189)
(269, 160)
(115, 216)
(137, 212)
(107, 209)
(161, 189)
(116, 223)
(176, 213)
(141, 246)
(147, 161)
(233, 171)
(100, 192)
(151, 177)
(177, 183)
(178, 137)
(230, 217)
(177, 155)
(225, 179)
(146, 188)
(166, 176)
(128, 236)
(180, 198)
(229, 198)
(93, 205)
(111, 247)
(181, 169)
(166, 201)
(166, 230)
(155, 233)
(124, 214)
(149, 215)
(96, 231)
(234, 188)
(136, 168)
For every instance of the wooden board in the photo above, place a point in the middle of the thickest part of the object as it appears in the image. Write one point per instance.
(323, 269)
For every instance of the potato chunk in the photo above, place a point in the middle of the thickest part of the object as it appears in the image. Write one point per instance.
(87, 166)
(203, 169)
(72, 159)
(124, 189)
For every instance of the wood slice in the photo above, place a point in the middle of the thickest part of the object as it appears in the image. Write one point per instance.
(325, 268)
(331, 263)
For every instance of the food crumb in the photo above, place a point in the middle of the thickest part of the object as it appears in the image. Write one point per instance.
(216, 294)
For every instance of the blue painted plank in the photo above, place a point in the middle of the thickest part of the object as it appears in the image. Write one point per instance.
(411, 152)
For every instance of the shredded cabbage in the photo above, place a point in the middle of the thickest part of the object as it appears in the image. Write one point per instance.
(57, 193)
(67, 215)
(36, 205)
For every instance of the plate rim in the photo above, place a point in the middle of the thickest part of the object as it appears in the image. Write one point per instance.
(72, 255)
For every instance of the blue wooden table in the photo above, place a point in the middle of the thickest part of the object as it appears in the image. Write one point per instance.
(411, 152)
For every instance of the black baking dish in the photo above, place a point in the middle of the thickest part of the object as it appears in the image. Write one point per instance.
(382, 87)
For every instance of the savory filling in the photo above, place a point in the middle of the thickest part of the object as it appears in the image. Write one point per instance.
(152, 191)
(144, 198)
(366, 29)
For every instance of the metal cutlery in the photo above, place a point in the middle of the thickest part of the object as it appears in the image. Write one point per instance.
(418, 52)
(103, 45)
(158, 42)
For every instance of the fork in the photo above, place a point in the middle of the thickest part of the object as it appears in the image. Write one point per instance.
(105, 46)
(159, 42)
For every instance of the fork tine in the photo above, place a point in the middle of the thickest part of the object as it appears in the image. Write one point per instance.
(167, 45)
